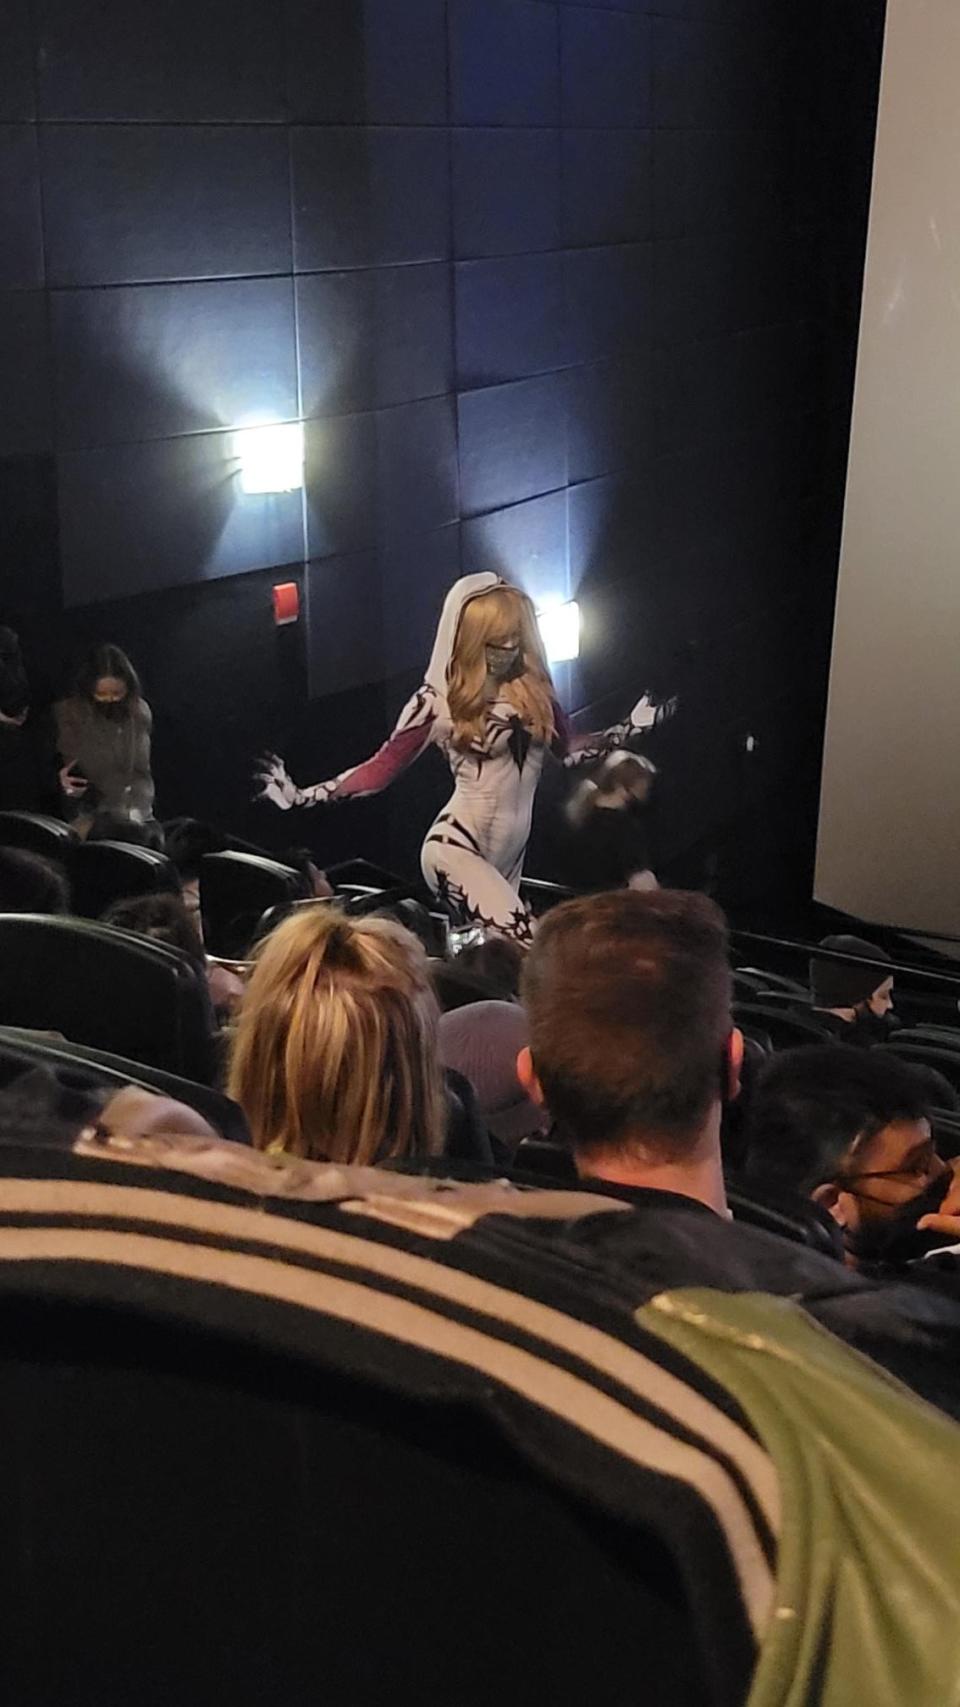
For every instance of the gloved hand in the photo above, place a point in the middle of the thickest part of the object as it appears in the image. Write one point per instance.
(647, 712)
(278, 785)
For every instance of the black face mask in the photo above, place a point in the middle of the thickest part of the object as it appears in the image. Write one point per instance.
(896, 1240)
(871, 1028)
(114, 711)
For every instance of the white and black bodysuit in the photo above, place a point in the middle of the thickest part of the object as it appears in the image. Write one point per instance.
(472, 855)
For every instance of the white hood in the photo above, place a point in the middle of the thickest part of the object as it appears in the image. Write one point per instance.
(467, 588)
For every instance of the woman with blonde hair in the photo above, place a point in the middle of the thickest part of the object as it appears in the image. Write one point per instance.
(488, 702)
(335, 1052)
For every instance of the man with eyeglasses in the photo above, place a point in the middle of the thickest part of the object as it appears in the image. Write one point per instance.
(850, 1129)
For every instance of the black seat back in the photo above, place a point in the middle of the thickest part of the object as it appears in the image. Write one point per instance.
(19, 1051)
(785, 1000)
(236, 889)
(275, 916)
(919, 1053)
(104, 872)
(408, 1499)
(107, 989)
(943, 1036)
(787, 1214)
(362, 874)
(785, 1028)
(766, 982)
(35, 833)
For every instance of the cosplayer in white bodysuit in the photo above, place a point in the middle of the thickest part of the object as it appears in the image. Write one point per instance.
(472, 856)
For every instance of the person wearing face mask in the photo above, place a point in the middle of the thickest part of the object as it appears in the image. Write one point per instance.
(103, 732)
(28, 752)
(850, 1129)
(855, 1002)
(487, 701)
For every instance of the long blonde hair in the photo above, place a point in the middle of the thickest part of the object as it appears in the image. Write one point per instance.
(490, 619)
(334, 1056)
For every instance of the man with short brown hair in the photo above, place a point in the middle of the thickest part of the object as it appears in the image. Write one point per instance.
(633, 1051)
(632, 1041)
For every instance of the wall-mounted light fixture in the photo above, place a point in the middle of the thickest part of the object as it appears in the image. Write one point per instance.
(560, 631)
(271, 458)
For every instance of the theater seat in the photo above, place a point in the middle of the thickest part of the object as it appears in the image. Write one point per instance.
(236, 889)
(767, 983)
(922, 1052)
(385, 1441)
(222, 1493)
(35, 833)
(105, 872)
(540, 895)
(785, 1028)
(107, 989)
(787, 1214)
(20, 1051)
(362, 874)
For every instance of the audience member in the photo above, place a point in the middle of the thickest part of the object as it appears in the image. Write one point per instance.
(28, 750)
(31, 884)
(855, 1002)
(633, 1050)
(104, 735)
(188, 841)
(487, 971)
(632, 1043)
(335, 1052)
(167, 918)
(163, 918)
(495, 964)
(850, 1128)
(111, 826)
(405, 911)
(318, 884)
(608, 828)
(482, 1042)
(454, 988)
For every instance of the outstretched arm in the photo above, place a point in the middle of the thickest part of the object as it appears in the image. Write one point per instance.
(412, 734)
(582, 749)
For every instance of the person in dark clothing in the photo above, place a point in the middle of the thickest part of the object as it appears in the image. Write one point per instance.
(188, 841)
(607, 821)
(104, 733)
(29, 780)
(854, 1002)
(167, 918)
(850, 1129)
(31, 884)
(632, 1042)
(163, 918)
(634, 1052)
(495, 963)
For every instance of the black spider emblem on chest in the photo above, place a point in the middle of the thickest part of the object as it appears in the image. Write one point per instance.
(518, 742)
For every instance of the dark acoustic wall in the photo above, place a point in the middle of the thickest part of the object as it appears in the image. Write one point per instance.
(566, 290)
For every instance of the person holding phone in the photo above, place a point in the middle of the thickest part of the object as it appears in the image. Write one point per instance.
(104, 730)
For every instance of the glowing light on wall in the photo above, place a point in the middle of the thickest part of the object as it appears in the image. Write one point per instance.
(271, 458)
(560, 631)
